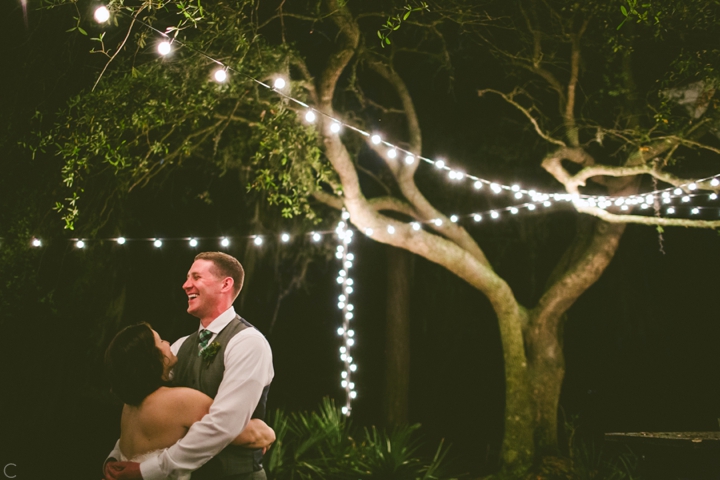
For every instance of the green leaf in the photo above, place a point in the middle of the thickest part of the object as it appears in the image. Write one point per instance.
(80, 29)
(407, 14)
(387, 40)
(623, 10)
(660, 229)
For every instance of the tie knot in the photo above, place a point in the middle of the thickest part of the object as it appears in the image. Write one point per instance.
(204, 337)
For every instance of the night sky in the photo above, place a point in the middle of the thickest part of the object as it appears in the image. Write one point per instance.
(641, 344)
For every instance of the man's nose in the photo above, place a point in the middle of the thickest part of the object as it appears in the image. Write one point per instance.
(187, 284)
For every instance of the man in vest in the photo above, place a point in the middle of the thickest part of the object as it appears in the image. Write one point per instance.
(228, 360)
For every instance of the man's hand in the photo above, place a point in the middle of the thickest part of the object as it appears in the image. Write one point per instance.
(122, 471)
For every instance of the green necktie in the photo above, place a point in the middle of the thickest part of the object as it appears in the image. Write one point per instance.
(203, 339)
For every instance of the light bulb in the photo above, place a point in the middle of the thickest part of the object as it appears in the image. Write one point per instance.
(477, 217)
(649, 199)
(695, 211)
(348, 290)
(495, 187)
(666, 194)
(349, 315)
(310, 116)
(285, 237)
(224, 242)
(279, 83)
(515, 188)
(350, 307)
(349, 281)
(157, 243)
(120, 240)
(350, 342)
(437, 222)
(316, 237)
(375, 139)
(369, 232)
(670, 210)
(345, 410)
(343, 374)
(353, 367)
(513, 210)
(102, 14)
(409, 159)
(624, 207)
(164, 48)
(350, 257)
(644, 206)
(714, 182)
(351, 333)
(347, 265)
(667, 200)
(193, 242)
(344, 383)
(454, 218)
(685, 199)
(342, 273)
(547, 203)
(494, 214)
(343, 357)
(258, 241)
(518, 195)
(36, 242)
(353, 394)
(713, 196)
(415, 226)
(439, 163)
(351, 385)
(342, 298)
(677, 191)
(340, 331)
(391, 229)
(392, 153)
(451, 174)
(345, 215)
(531, 207)
(80, 244)
(692, 186)
(477, 185)
(343, 350)
(220, 75)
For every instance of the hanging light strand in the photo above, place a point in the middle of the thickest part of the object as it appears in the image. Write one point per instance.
(345, 331)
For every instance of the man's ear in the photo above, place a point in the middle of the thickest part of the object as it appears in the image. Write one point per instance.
(227, 284)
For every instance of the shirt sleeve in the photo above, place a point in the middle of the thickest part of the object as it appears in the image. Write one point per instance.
(248, 370)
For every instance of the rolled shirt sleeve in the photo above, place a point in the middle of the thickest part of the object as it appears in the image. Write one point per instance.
(248, 370)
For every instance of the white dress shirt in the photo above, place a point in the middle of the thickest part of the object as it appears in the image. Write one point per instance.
(248, 370)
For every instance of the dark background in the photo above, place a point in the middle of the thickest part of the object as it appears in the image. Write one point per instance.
(641, 344)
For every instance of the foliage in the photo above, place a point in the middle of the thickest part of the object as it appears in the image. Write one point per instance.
(394, 22)
(324, 445)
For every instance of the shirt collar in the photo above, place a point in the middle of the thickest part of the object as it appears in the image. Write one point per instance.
(220, 322)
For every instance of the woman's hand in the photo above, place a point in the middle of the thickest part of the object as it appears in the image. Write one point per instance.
(257, 434)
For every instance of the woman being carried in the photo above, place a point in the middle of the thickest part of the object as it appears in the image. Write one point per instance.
(155, 416)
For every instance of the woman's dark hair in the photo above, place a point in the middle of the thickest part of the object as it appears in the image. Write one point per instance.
(134, 364)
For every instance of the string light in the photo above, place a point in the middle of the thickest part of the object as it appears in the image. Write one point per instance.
(375, 139)
(220, 75)
(225, 242)
(164, 48)
(157, 243)
(335, 127)
(193, 242)
(409, 159)
(285, 237)
(346, 258)
(120, 240)
(80, 244)
(102, 14)
(279, 83)
(258, 240)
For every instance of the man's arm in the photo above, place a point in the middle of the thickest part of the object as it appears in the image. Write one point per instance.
(257, 434)
(248, 369)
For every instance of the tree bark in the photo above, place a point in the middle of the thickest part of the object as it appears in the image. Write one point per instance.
(397, 337)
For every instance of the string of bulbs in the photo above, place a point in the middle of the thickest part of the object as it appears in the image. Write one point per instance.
(311, 115)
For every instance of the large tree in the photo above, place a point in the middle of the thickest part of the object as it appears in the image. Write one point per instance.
(600, 112)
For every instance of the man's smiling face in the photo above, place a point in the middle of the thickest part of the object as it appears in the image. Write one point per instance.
(203, 289)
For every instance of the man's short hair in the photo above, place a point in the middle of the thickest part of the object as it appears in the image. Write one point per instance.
(225, 266)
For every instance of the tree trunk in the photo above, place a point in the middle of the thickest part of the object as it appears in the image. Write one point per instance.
(397, 336)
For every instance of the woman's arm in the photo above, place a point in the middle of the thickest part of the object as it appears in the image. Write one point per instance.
(257, 434)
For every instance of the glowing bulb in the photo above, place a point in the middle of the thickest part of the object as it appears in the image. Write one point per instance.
(454, 218)
(342, 298)
(477, 185)
(340, 331)
(348, 290)
(350, 342)
(36, 242)
(513, 210)
(220, 75)
(369, 232)
(285, 237)
(258, 241)
(335, 127)
(343, 374)
(515, 188)
(624, 207)
(644, 206)
(350, 308)
(310, 116)
(667, 200)
(391, 229)
(279, 83)
(345, 410)
(193, 242)
(714, 182)
(102, 14)
(120, 240)
(415, 226)
(531, 207)
(518, 195)
(477, 217)
(392, 153)
(353, 367)
(649, 199)
(685, 199)
(713, 196)
(80, 244)
(451, 174)
(494, 214)
(495, 187)
(316, 237)
(345, 215)
(344, 383)
(677, 191)
(692, 186)
(375, 139)
(343, 357)
(157, 243)
(349, 315)
(695, 211)
(350, 281)
(164, 48)
(225, 242)
(350, 257)
(348, 265)
(353, 394)
(409, 159)
(342, 273)
(547, 203)
(670, 210)
(439, 163)
(666, 195)
(351, 333)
